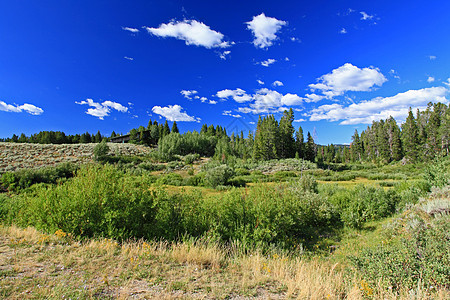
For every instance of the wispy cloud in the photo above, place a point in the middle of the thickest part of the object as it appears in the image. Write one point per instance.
(432, 57)
(277, 83)
(260, 82)
(29, 108)
(224, 54)
(238, 95)
(229, 113)
(430, 79)
(264, 30)
(128, 58)
(102, 110)
(365, 16)
(174, 113)
(192, 32)
(343, 31)
(267, 62)
(131, 29)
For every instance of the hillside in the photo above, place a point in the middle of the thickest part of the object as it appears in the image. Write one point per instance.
(15, 156)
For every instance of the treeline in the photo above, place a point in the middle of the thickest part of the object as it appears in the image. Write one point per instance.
(420, 137)
(55, 137)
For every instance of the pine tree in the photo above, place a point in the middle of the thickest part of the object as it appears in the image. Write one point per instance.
(410, 137)
(175, 127)
(299, 143)
(286, 131)
(166, 129)
(310, 148)
(356, 147)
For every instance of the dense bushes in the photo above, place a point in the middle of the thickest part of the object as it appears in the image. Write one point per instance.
(414, 253)
(23, 179)
(187, 143)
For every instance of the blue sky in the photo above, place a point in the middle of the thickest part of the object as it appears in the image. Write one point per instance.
(78, 66)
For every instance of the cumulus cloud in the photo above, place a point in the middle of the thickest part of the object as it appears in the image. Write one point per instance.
(343, 31)
(268, 62)
(174, 113)
(264, 30)
(238, 95)
(29, 108)
(131, 29)
(192, 32)
(430, 79)
(365, 16)
(188, 94)
(101, 110)
(277, 83)
(348, 78)
(269, 101)
(380, 108)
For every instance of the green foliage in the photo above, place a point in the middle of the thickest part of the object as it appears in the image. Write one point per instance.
(22, 179)
(170, 179)
(437, 174)
(190, 142)
(219, 175)
(101, 151)
(191, 158)
(414, 254)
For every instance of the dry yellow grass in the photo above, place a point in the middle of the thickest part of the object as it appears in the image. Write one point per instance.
(34, 265)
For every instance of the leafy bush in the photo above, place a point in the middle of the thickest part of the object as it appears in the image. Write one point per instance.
(22, 179)
(219, 175)
(438, 173)
(416, 255)
(170, 179)
(101, 150)
(190, 158)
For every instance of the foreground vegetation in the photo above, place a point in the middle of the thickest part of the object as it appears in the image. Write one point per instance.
(167, 233)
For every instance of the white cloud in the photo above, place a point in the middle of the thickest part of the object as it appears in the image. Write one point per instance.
(447, 83)
(348, 78)
(101, 110)
(188, 93)
(131, 29)
(269, 101)
(238, 95)
(128, 58)
(365, 16)
(286, 58)
(224, 54)
(432, 57)
(430, 79)
(343, 31)
(277, 83)
(260, 82)
(394, 74)
(174, 113)
(268, 62)
(380, 108)
(212, 102)
(300, 120)
(29, 108)
(229, 113)
(192, 32)
(264, 30)
(313, 97)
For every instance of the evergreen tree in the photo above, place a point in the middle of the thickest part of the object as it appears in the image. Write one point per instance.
(310, 148)
(175, 127)
(356, 147)
(299, 143)
(286, 132)
(166, 129)
(410, 137)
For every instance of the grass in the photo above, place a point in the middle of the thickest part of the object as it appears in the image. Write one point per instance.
(37, 265)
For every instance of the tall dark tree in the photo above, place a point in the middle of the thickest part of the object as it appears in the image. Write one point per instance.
(299, 143)
(310, 148)
(286, 135)
(175, 127)
(410, 137)
(356, 147)
(166, 129)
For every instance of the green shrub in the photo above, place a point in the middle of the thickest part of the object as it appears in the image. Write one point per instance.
(101, 150)
(241, 172)
(219, 175)
(170, 179)
(191, 158)
(237, 181)
(22, 179)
